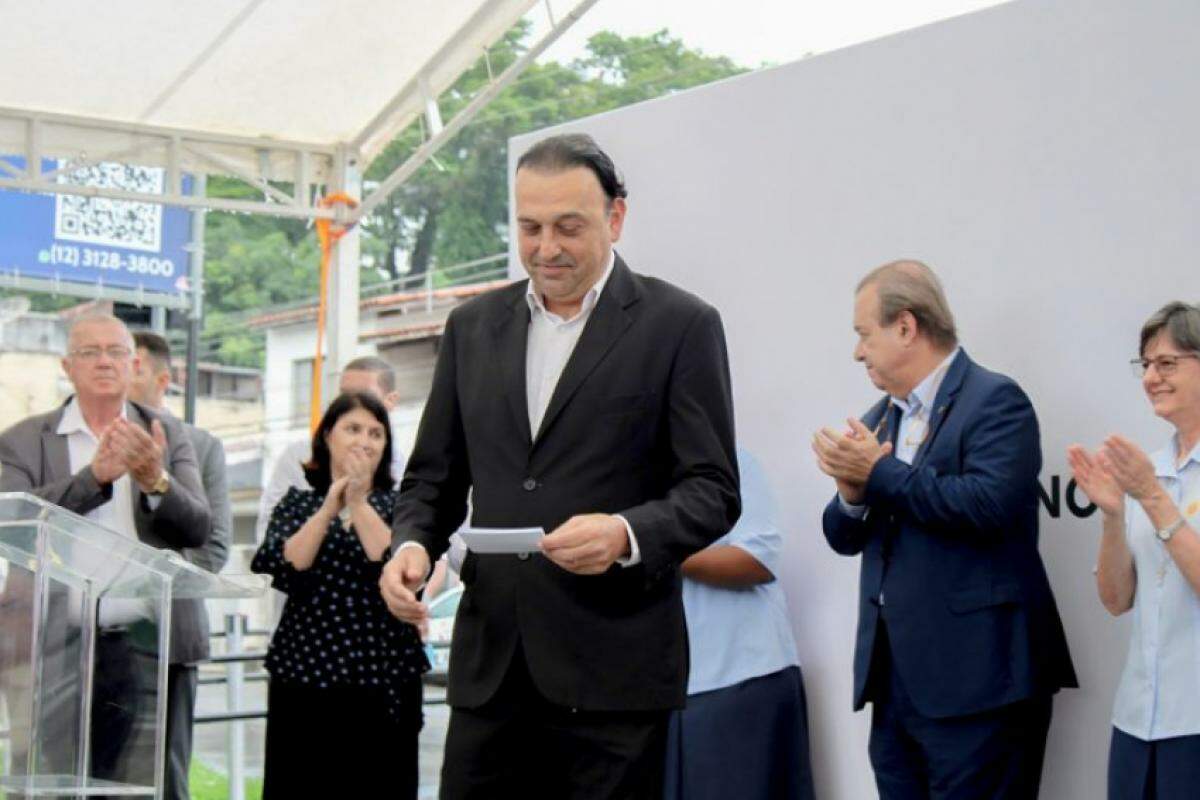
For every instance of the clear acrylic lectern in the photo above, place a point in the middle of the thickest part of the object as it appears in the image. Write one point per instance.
(84, 626)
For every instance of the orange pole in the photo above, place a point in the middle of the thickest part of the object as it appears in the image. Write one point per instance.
(328, 232)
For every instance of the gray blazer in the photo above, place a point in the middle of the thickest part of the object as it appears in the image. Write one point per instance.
(210, 454)
(213, 554)
(34, 458)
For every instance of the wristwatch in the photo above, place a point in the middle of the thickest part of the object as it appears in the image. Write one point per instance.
(161, 485)
(1166, 533)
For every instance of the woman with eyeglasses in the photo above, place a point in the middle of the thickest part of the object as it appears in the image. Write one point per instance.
(344, 700)
(1149, 564)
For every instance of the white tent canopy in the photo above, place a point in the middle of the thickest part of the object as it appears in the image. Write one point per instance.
(266, 90)
(295, 97)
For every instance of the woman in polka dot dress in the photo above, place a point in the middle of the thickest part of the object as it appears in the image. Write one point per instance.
(344, 704)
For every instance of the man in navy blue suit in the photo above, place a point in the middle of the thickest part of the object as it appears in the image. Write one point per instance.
(960, 646)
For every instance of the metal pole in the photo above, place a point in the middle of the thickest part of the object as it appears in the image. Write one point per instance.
(196, 313)
(158, 320)
(341, 327)
(235, 626)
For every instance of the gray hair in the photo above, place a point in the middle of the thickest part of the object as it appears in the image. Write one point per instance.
(913, 287)
(95, 317)
(1180, 320)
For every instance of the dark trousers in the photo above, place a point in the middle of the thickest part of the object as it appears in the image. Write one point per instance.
(1165, 769)
(993, 755)
(519, 745)
(116, 700)
(340, 742)
(182, 683)
(123, 735)
(747, 741)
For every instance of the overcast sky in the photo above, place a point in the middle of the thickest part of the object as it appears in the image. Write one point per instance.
(752, 32)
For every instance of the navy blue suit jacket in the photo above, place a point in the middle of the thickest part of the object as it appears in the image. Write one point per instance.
(951, 542)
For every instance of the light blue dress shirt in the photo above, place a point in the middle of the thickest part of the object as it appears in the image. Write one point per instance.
(916, 416)
(1157, 695)
(738, 634)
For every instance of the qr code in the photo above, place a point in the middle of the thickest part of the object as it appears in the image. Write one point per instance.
(116, 223)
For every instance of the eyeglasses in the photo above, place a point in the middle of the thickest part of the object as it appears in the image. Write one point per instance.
(116, 352)
(1165, 366)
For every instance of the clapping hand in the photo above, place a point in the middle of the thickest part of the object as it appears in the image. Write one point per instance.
(1095, 480)
(359, 474)
(335, 498)
(1129, 466)
(140, 453)
(107, 463)
(849, 457)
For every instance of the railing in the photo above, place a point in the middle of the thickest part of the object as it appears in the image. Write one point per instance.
(234, 659)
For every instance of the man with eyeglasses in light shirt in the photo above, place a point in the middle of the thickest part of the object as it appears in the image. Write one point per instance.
(123, 466)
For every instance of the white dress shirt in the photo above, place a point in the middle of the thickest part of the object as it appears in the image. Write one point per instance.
(116, 514)
(551, 341)
(1156, 698)
(82, 443)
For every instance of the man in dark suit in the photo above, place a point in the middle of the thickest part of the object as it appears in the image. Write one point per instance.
(594, 403)
(125, 467)
(960, 646)
(151, 379)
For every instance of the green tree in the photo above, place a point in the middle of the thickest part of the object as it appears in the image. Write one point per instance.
(455, 208)
(250, 263)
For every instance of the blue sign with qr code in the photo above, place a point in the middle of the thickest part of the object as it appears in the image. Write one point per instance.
(71, 239)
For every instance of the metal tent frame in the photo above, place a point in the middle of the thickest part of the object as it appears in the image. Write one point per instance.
(312, 167)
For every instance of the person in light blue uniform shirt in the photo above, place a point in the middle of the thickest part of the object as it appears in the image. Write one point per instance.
(744, 732)
(1149, 564)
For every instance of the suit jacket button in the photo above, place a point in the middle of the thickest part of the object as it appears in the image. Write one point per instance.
(523, 556)
(529, 485)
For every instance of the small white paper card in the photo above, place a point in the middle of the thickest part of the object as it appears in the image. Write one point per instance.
(502, 540)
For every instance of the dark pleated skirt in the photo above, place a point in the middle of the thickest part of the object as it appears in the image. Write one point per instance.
(747, 741)
(339, 742)
(1165, 769)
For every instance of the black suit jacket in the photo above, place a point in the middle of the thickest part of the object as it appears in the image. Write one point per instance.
(641, 424)
(951, 543)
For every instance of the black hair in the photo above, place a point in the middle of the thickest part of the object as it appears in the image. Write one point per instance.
(156, 347)
(318, 470)
(374, 364)
(570, 150)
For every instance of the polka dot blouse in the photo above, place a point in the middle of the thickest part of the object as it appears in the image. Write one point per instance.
(335, 629)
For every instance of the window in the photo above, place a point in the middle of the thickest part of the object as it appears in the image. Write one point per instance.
(301, 389)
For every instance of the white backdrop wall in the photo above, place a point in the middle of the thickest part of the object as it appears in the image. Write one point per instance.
(1044, 157)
